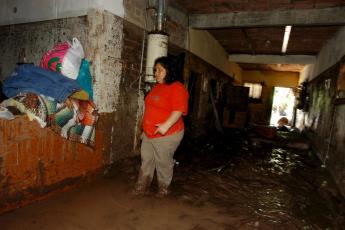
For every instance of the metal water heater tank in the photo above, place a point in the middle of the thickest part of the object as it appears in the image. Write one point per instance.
(157, 46)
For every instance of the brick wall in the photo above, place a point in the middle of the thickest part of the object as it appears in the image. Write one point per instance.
(35, 161)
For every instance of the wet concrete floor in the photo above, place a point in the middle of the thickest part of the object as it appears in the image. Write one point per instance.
(228, 181)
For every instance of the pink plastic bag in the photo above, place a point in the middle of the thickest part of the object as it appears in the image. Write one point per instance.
(53, 58)
(64, 58)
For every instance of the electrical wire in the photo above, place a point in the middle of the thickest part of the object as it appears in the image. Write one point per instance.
(140, 76)
(331, 136)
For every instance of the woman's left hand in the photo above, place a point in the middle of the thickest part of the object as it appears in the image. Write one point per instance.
(162, 129)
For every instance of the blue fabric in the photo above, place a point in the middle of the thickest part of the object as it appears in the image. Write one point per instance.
(28, 78)
(84, 78)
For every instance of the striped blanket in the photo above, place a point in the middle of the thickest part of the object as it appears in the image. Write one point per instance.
(73, 119)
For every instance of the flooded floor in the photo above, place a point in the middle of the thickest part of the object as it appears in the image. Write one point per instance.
(229, 181)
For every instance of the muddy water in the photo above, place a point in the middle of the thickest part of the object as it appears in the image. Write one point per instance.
(222, 182)
(264, 184)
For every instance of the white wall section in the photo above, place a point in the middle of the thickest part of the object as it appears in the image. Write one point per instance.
(19, 11)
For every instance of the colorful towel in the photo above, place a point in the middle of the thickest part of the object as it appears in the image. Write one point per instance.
(74, 119)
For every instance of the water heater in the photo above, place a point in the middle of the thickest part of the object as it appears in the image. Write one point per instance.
(157, 46)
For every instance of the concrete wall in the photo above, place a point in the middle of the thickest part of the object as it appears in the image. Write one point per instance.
(104, 43)
(203, 44)
(330, 53)
(260, 112)
(324, 119)
(323, 123)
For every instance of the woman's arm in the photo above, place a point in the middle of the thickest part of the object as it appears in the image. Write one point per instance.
(164, 127)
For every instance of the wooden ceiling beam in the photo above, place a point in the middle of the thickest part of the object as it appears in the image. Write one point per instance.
(272, 59)
(326, 16)
(249, 41)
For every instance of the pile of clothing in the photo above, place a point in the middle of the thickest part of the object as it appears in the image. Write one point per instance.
(57, 94)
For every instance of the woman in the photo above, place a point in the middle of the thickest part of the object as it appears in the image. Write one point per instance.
(163, 127)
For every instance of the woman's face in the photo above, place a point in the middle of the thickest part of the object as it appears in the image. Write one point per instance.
(160, 73)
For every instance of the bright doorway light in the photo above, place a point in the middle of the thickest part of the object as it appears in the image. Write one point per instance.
(283, 105)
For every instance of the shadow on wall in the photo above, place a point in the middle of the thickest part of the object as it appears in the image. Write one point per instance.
(2, 96)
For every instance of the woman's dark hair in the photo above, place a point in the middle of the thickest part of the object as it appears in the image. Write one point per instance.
(169, 65)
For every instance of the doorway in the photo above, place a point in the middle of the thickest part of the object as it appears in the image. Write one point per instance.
(194, 91)
(283, 105)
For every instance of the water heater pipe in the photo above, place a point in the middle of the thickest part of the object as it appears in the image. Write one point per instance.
(161, 13)
(157, 43)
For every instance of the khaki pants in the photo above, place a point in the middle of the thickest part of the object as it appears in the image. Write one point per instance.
(157, 154)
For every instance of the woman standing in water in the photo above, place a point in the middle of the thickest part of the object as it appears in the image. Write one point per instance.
(163, 127)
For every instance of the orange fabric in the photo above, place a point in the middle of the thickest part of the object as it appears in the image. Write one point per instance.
(160, 103)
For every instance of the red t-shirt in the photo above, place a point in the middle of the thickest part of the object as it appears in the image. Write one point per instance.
(160, 103)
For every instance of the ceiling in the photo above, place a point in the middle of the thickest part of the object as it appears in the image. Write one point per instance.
(217, 6)
(306, 39)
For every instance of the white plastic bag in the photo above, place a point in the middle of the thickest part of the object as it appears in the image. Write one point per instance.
(5, 114)
(72, 60)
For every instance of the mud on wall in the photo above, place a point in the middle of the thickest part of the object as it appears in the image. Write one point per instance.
(104, 41)
(116, 56)
(101, 34)
(131, 98)
(36, 162)
(33, 159)
(324, 122)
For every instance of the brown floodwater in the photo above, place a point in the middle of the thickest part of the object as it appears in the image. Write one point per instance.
(264, 182)
(221, 181)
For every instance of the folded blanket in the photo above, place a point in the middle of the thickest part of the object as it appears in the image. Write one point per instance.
(28, 78)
